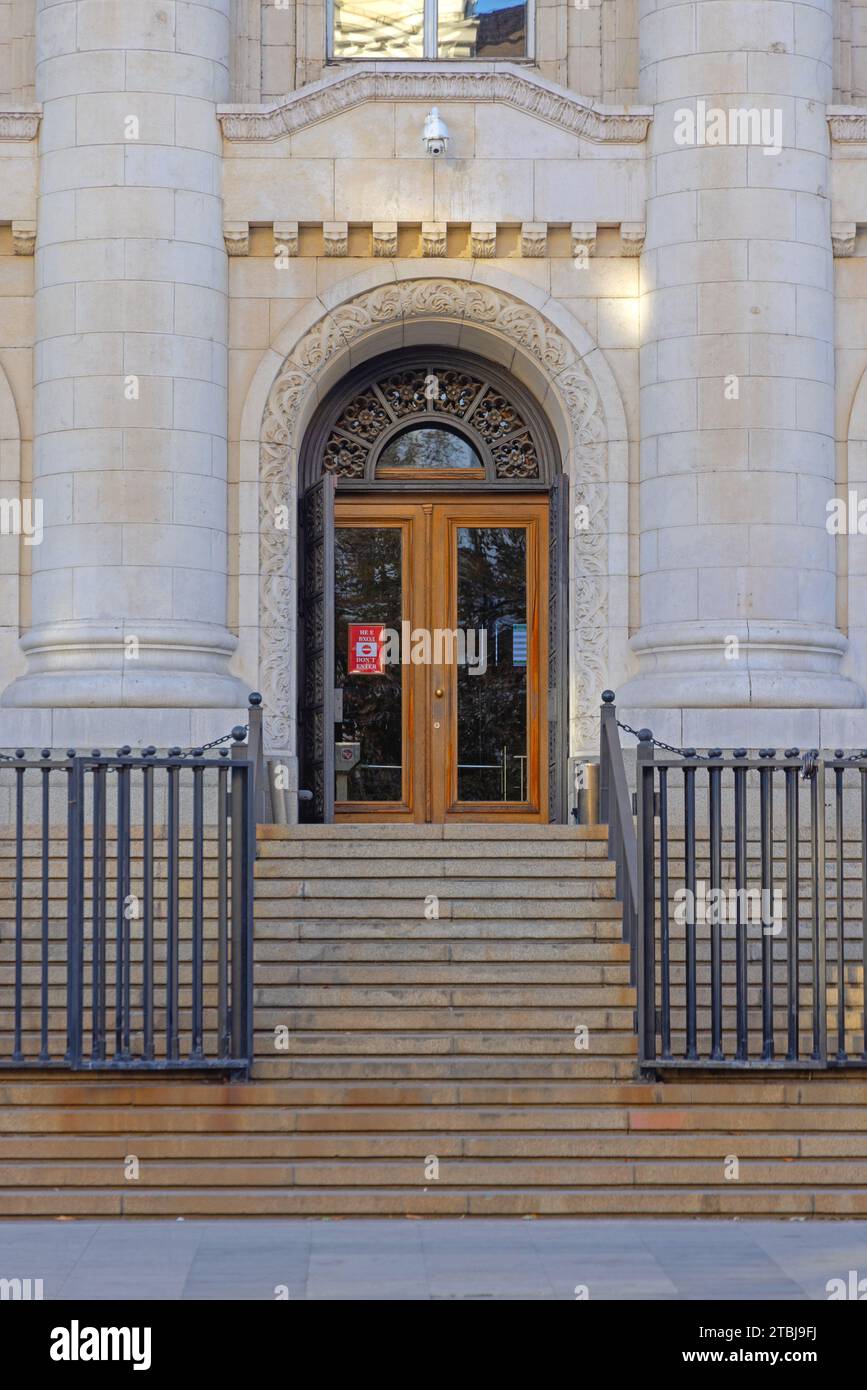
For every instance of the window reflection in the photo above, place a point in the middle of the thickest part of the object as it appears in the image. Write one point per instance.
(481, 29)
(378, 29)
(429, 448)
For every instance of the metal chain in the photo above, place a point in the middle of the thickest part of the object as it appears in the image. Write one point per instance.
(659, 743)
(691, 754)
(198, 752)
(202, 749)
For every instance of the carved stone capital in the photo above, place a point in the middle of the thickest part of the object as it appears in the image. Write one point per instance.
(632, 236)
(483, 240)
(24, 238)
(433, 238)
(20, 122)
(385, 239)
(583, 236)
(843, 238)
(534, 239)
(335, 237)
(848, 124)
(286, 234)
(237, 238)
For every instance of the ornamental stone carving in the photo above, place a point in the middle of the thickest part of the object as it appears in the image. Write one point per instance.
(433, 238)
(20, 122)
(286, 235)
(237, 238)
(335, 237)
(483, 240)
(534, 239)
(843, 236)
(385, 239)
(296, 385)
(510, 85)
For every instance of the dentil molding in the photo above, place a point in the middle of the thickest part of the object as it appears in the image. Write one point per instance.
(512, 86)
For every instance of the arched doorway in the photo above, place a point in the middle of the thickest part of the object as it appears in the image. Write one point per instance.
(432, 573)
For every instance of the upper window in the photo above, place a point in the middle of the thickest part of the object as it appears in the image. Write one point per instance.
(368, 29)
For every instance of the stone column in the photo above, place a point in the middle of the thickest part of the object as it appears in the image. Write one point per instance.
(129, 583)
(737, 369)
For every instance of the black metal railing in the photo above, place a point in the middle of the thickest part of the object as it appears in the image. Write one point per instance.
(126, 928)
(615, 810)
(747, 924)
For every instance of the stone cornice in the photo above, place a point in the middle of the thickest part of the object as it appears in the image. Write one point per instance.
(848, 124)
(503, 82)
(19, 122)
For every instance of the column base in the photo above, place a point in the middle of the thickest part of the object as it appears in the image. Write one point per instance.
(86, 666)
(740, 665)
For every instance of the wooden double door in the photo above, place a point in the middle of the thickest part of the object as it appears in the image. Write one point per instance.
(440, 649)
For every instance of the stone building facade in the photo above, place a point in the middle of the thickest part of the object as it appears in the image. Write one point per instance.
(648, 223)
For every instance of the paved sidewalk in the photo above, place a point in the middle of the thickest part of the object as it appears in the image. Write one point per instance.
(405, 1259)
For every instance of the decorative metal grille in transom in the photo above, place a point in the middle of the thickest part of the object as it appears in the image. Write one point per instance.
(457, 402)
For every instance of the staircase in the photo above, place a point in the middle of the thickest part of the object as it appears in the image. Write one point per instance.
(444, 1027)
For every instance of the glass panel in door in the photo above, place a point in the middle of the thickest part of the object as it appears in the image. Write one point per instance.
(492, 620)
(368, 587)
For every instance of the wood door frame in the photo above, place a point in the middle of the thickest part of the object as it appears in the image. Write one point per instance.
(427, 522)
(408, 514)
(452, 513)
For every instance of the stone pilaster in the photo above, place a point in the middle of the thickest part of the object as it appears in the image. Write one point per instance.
(737, 397)
(129, 582)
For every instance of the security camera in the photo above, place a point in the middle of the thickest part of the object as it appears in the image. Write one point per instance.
(436, 133)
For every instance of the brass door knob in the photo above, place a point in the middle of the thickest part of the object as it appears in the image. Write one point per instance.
(439, 692)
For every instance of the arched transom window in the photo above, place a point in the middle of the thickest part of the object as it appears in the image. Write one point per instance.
(432, 420)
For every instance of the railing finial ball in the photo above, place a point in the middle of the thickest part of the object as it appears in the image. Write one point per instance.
(608, 697)
(149, 752)
(46, 753)
(174, 752)
(739, 752)
(839, 752)
(70, 753)
(714, 752)
(792, 753)
(239, 733)
(19, 753)
(645, 735)
(96, 752)
(255, 699)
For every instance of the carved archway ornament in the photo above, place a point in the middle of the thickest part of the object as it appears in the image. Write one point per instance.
(296, 386)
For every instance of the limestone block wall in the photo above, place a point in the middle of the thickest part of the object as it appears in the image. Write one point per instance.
(854, 25)
(17, 49)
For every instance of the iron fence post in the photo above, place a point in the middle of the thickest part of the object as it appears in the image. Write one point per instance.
(607, 730)
(646, 934)
(75, 909)
(243, 832)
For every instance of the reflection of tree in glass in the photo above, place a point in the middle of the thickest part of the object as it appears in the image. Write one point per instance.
(492, 709)
(432, 447)
(367, 589)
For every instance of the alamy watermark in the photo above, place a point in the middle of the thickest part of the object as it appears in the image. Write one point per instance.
(708, 906)
(733, 125)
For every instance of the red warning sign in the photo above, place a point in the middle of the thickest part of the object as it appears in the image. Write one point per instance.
(366, 649)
